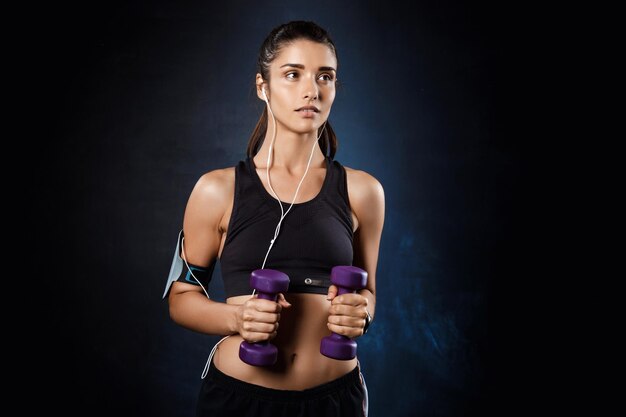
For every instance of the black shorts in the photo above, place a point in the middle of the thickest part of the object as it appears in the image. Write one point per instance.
(223, 395)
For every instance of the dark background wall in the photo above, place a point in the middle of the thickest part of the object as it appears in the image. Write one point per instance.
(145, 97)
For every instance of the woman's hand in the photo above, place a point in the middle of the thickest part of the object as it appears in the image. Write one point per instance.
(257, 319)
(347, 313)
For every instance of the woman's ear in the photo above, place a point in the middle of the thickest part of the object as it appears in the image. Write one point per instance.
(259, 86)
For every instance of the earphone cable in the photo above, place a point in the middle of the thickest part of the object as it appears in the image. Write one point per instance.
(283, 214)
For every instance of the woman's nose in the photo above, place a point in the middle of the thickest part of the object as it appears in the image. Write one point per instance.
(311, 90)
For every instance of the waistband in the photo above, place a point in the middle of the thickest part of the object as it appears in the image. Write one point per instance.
(320, 391)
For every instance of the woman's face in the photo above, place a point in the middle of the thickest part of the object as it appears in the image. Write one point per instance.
(303, 74)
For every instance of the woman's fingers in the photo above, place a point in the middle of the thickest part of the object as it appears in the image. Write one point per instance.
(282, 301)
(253, 337)
(347, 319)
(332, 292)
(260, 319)
(257, 327)
(347, 310)
(350, 332)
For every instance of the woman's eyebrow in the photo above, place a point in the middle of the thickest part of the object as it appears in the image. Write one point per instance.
(302, 67)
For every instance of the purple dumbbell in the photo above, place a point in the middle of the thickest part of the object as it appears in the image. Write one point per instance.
(348, 279)
(268, 283)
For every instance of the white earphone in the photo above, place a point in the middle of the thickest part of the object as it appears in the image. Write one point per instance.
(282, 216)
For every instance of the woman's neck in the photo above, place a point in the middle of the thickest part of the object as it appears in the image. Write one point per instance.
(290, 153)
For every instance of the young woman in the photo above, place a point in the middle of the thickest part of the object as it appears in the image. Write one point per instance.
(309, 215)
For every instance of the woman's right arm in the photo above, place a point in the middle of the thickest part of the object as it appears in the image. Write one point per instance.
(256, 319)
(188, 305)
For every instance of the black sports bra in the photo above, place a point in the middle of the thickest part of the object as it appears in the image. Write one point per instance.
(314, 236)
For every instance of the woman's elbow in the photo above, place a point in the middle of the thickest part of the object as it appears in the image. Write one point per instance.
(173, 303)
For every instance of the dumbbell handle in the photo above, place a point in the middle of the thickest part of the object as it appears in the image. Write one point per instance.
(343, 290)
(267, 296)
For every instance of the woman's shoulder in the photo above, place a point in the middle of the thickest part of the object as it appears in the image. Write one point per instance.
(365, 192)
(218, 175)
(361, 179)
(216, 184)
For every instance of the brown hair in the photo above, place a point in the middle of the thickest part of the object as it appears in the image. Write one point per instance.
(271, 47)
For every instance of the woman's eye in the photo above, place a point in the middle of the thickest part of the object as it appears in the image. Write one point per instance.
(295, 74)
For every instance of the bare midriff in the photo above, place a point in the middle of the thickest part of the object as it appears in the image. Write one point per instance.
(300, 364)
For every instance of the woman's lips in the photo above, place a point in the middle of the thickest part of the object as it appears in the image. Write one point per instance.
(307, 113)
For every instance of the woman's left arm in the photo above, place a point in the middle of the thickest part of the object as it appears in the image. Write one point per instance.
(348, 312)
